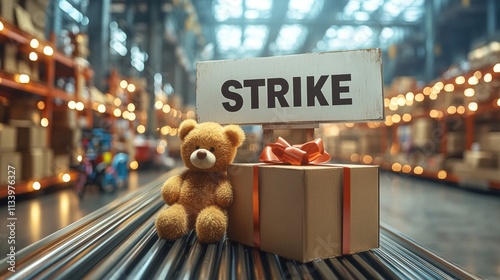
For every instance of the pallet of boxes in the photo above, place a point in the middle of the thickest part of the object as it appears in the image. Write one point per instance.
(65, 140)
(480, 166)
(8, 154)
(295, 203)
(30, 17)
(25, 143)
(30, 139)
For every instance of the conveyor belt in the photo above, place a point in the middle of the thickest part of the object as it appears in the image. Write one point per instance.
(119, 241)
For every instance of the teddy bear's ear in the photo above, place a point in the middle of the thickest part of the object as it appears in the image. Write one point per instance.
(235, 134)
(185, 127)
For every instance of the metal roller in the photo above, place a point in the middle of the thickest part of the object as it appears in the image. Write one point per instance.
(119, 241)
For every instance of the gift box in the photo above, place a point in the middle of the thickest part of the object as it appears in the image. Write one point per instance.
(305, 212)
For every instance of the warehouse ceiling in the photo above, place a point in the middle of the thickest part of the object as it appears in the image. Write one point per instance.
(225, 29)
(247, 28)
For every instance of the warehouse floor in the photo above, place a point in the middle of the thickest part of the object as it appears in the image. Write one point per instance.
(459, 225)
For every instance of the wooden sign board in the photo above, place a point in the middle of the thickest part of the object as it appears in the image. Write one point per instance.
(309, 88)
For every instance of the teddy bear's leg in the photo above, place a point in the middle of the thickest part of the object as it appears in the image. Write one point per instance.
(172, 222)
(211, 224)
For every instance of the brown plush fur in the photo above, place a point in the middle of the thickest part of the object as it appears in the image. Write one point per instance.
(199, 197)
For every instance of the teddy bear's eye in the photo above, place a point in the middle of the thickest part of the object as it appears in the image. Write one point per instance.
(197, 147)
(212, 149)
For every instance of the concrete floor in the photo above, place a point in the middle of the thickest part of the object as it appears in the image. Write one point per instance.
(459, 225)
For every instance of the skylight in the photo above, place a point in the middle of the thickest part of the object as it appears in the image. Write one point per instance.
(255, 37)
(347, 37)
(388, 10)
(255, 9)
(290, 39)
(250, 9)
(300, 9)
(229, 40)
(227, 9)
(228, 37)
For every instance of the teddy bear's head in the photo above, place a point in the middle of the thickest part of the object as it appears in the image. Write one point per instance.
(209, 146)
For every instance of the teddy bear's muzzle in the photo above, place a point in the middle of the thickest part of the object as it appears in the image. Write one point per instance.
(202, 159)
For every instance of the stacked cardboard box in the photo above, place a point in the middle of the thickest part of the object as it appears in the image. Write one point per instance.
(479, 159)
(31, 139)
(426, 135)
(484, 54)
(37, 9)
(66, 138)
(31, 143)
(9, 58)
(32, 162)
(23, 111)
(455, 143)
(479, 167)
(447, 99)
(29, 16)
(3, 109)
(476, 176)
(14, 61)
(370, 142)
(403, 84)
(347, 148)
(7, 10)
(81, 42)
(490, 142)
(65, 118)
(8, 154)
(64, 142)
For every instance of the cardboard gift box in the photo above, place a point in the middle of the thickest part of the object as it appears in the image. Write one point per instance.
(305, 212)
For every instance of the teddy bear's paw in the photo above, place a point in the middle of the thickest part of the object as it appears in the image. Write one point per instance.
(224, 199)
(172, 223)
(211, 224)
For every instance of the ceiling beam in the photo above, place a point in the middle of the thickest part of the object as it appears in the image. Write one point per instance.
(320, 21)
(279, 13)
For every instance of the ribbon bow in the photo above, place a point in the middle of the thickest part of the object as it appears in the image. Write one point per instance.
(281, 151)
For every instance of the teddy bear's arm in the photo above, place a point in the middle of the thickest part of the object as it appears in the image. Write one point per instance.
(224, 194)
(171, 189)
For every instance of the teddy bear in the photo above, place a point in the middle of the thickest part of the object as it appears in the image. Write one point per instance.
(199, 196)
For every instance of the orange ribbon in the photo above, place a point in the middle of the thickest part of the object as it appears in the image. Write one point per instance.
(256, 207)
(281, 151)
(346, 212)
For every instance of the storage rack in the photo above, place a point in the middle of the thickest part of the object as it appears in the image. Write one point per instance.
(406, 113)
(55, 63)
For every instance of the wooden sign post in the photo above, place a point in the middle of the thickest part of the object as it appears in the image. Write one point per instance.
(295, 92)
(307, 131)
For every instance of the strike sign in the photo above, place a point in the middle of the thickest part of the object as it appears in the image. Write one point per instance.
(310, 88)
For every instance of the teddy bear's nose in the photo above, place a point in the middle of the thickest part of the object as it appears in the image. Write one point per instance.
(201, 154)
